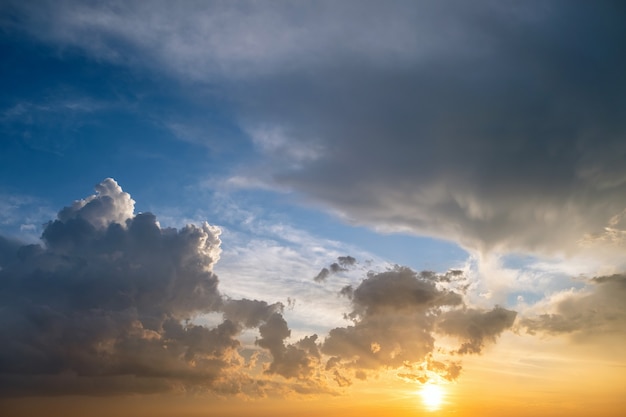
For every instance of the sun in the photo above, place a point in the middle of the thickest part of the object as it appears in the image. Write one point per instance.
(432, 396)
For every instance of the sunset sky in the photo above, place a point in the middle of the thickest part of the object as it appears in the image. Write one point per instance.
(312, 208)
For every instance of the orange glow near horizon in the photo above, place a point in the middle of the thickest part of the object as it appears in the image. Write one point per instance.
(515, 379)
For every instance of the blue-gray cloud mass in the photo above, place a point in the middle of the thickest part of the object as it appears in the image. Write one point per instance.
(493, 124)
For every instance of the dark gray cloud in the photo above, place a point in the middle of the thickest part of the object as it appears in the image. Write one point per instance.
(104, 298)
(495, 124)
(105, 305)
(476, 327)
(291, 361)
(322, 275)
(343, 264)
(599, 310)
(512, 140)
(346, 261)
(250, 313)
(396, 317)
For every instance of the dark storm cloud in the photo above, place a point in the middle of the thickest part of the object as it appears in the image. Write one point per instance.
(105, 305)
(600, 310)
(512, 139)
(396, 317)
(495, 124)
(103, 298)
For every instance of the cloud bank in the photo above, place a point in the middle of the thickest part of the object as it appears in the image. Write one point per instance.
(106, 305)
(498, 125)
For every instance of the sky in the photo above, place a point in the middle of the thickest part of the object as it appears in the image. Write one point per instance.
(341, 208)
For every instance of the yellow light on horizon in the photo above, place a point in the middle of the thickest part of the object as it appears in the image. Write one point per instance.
(432, 396)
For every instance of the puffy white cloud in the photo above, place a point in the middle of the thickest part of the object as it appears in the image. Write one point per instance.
(109, 205)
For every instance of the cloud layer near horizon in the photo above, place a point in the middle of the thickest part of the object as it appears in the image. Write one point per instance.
(594, 311)
(106, 305)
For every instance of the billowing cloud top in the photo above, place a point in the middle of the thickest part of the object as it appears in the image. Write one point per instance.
(105, 295)
(109, 205)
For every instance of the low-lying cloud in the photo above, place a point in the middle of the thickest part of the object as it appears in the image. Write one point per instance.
(591, 312)
(106, 303)
(397, 316)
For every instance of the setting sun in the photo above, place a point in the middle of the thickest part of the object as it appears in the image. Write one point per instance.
(432, 396)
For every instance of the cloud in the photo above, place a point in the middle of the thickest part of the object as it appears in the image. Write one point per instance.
(250, 313)
(432, 369)
(396, 317)
(591, 312)
(508, 141)
(346, 260)
(106, 296)
(107, 305)
(109, 205)
(476, 327)
(290, 361)
(344, 263)
(323, 274)
(204, 41)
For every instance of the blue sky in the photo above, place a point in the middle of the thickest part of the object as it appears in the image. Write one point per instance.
(436, 136)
